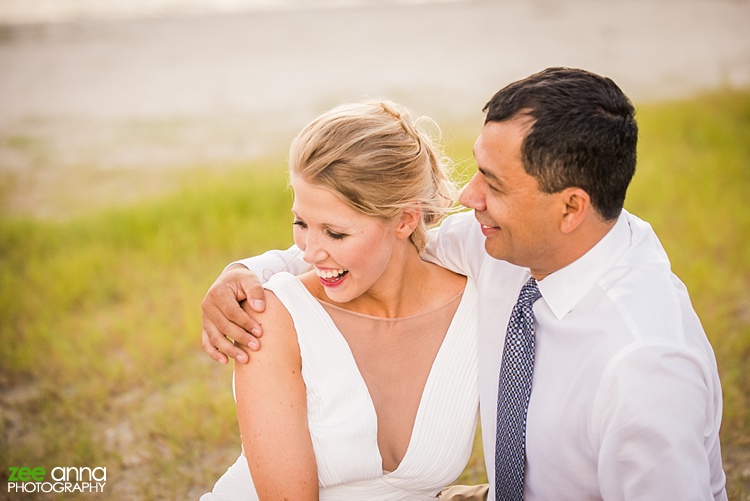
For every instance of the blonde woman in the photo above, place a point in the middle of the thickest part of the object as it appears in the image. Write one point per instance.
(366, 385)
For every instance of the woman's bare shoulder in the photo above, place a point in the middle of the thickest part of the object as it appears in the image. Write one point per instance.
(279, 340)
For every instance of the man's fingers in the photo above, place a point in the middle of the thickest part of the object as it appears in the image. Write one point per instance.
(233, 326)
(212, 351)
(222, 302)
(230, 316)
(219, 347)
(256, 295)
(253, 291)
(227, 328)
(223, 316)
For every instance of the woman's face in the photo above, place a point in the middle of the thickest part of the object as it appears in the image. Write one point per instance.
(349, 250)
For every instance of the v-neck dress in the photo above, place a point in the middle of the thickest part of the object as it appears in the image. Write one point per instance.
(342, 418)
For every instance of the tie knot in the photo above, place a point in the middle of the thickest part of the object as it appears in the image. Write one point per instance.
(529, 292)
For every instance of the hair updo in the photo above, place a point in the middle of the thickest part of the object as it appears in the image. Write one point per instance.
(378, 160)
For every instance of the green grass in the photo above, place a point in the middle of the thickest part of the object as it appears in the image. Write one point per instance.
(101, 362)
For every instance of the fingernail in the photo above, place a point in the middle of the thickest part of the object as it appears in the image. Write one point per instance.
(255, 331)
(257, 304)
(242, 358)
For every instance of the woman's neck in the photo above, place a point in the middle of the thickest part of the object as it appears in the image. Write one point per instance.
(402, 289)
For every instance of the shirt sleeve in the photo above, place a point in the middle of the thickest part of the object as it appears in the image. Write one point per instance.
(457, 244)
(272, 262)
(654, 413)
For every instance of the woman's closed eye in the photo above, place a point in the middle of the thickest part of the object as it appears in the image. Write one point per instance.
(331, 234)
(336, 236)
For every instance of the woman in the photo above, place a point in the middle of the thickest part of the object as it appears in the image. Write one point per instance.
(365, 387)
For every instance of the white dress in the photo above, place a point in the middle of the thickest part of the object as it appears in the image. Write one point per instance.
(342, 419)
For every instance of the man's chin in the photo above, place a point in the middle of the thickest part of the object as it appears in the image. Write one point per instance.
(493, 251)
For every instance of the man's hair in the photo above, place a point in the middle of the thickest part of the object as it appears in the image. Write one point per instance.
(582, 133)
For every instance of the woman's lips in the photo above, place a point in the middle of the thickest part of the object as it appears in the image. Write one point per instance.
(331, 277)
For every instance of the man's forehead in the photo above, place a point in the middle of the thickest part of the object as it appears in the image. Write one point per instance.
(504, 138)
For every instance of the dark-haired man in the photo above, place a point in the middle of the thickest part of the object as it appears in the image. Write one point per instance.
(607, 387)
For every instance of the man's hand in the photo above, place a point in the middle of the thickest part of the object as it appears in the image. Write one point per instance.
(224, 319)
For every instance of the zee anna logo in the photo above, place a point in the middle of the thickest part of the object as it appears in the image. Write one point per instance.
(64, 479)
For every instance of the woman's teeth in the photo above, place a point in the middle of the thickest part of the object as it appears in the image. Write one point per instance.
(329, 274)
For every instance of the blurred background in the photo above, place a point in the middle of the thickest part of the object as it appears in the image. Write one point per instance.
(142, 147)
(93, 92)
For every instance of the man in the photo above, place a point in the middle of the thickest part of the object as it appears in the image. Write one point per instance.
(625, 399)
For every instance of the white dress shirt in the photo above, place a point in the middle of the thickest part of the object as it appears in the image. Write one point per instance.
(626, 399)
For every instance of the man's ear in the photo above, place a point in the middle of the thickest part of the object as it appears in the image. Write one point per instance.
(410, 217)
(576, 207)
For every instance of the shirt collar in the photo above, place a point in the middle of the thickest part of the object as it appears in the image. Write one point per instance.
(563, 289)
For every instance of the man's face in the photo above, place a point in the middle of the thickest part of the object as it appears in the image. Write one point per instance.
(519, 221)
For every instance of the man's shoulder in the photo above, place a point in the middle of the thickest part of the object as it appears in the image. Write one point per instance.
(651, 301)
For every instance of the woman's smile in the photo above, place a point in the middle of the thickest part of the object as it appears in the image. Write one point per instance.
(331, 277)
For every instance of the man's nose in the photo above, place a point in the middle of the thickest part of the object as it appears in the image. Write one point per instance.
(472, 196)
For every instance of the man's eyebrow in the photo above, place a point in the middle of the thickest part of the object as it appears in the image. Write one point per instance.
(489, 175)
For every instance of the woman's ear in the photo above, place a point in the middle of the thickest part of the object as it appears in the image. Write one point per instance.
(410, 217)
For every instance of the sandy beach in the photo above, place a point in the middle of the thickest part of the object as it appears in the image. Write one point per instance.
(90, 100)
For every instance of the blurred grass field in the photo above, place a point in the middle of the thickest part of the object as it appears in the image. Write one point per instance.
(101, 363)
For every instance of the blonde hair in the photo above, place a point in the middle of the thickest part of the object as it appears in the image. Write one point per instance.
(378, 160)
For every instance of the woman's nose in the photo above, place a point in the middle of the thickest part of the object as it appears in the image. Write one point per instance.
(314, 252)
